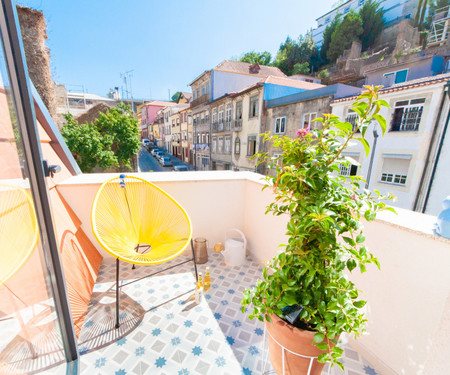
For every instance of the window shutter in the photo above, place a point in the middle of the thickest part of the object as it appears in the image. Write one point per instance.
(353, 170)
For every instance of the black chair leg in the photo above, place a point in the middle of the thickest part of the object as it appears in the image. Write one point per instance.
(193, 258)
(117, 293)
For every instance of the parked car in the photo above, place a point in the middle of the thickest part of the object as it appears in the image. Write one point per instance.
(154, 151)
(165, 161)
(145, 142)
(180, 168)
(160, 155)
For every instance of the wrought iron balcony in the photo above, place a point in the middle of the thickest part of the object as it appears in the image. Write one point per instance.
(236, 125)
(202, 99)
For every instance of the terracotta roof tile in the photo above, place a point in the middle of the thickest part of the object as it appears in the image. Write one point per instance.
(424, 81)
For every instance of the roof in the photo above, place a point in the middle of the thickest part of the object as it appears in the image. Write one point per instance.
(161, 103)
(337, 90)
(292, 82)
(87, 96)
(420, 82)
(246, 68)
(281, 81)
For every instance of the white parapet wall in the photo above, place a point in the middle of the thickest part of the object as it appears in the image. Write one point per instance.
(408, 300)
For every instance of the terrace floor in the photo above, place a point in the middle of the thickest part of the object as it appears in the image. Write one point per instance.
(179, 337)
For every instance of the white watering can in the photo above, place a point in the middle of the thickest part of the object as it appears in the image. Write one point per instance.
(234, 252)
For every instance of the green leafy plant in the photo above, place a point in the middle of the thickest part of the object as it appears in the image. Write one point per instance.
(111, 140)
(325, 234)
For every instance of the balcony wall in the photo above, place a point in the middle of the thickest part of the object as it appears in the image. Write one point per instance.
(409, 299)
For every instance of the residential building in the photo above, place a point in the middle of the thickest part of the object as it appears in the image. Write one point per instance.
(248, 113)
(395, 11)
(149, 113)
(166, 132)
(227, 77)
(404, 159)
(175, 121)
(288, 114)
(186, 131)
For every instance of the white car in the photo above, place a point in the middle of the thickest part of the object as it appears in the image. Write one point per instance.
(145, 142)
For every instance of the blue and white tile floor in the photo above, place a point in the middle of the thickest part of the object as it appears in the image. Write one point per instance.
(179, 337)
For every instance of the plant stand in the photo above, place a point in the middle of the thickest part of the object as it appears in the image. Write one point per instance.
(284, 351)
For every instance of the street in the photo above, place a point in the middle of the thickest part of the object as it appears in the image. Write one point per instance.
(148, 163)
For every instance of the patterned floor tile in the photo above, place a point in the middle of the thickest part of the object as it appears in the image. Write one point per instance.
(163, 331)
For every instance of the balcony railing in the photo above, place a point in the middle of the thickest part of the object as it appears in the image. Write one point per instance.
(202, 99)
(236, 125)
(227, 125)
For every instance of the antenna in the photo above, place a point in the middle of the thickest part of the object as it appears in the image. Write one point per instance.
(127, 80)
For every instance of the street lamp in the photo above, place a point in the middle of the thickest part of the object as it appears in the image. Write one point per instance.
(369, 172)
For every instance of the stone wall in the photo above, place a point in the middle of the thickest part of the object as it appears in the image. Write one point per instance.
(34, 35)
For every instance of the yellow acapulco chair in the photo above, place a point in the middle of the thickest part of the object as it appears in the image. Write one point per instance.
(138, 223)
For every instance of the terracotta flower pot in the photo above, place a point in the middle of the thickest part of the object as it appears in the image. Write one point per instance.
(294, 340)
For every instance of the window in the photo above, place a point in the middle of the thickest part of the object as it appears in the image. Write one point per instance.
(214, 115)
(308, 120)
(352, 117)
(189, 119)
(251, 145)
(395, 169)
(350, 170)
(221, 114)
(207, 138)
(229, 112)
(228, 144)
(254, 106)
(178, 122)
(276, 159)
(239, 110)
(214, 144)
(407, 115)
(361, 2)
(203, 137)
(203, 90)
(346, 10)
(237, 146)
(207, 87)
(220, 146)
(280, 125)
(395, 77)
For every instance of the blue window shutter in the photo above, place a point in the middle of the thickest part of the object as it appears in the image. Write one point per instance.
(400, 76)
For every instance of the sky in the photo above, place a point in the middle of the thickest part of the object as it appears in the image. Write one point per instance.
(165, 44)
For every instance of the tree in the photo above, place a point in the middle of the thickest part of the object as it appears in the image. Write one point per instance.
(262, 58)
(293, 52)
(372, 22)
(420, 15)
(329, 30)
(175, 97)
(111, 140)
(346, 32)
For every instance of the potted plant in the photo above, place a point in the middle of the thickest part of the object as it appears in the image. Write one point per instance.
(307, 283)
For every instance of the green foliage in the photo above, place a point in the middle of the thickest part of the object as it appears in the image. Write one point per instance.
(175, 97)
(111, 140)
(301, 51)
(372, 22)
(262, 58)
(327, 34)
(325, 238)
(346, 32)
(301, 68)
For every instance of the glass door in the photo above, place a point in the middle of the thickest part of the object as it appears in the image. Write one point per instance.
(36, 330)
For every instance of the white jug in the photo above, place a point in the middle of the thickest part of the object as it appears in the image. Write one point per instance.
(235, 248)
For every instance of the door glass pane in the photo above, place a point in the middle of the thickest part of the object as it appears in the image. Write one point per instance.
(30, 334)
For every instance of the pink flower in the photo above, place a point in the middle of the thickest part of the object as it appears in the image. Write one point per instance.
(303, 132)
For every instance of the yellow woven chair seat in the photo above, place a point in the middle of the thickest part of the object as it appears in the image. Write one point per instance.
(137, 222)
(130, 212)
(19, 230)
